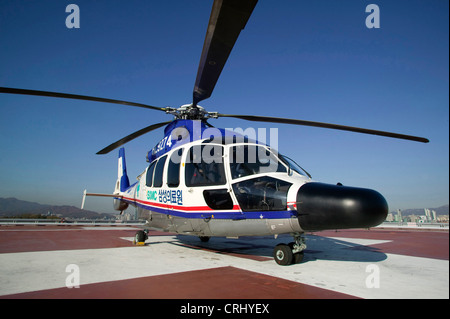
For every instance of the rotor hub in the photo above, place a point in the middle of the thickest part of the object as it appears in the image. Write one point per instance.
(191, 112)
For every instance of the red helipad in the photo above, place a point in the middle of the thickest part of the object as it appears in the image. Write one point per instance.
(46, 261)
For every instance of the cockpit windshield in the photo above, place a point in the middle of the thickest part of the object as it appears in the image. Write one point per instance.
(253, 159)
(293, 165)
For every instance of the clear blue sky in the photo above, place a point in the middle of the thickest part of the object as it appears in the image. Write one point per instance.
(312, 60)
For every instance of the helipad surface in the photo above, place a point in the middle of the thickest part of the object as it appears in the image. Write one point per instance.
(44, 261)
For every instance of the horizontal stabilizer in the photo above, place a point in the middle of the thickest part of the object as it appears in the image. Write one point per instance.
(85, 193)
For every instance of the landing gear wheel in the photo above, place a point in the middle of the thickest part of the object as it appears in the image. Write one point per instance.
(298, 257)
(283, 254)
(204, 239)
(140, 237)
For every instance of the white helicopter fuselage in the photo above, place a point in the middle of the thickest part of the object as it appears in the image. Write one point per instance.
(174, 195)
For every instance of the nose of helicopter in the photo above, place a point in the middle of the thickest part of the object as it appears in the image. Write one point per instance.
(325, 206)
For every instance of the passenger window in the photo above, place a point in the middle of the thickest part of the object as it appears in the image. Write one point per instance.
(173, 170)
(218, 199)
(204, 166)
(149, 177)
(159, 169)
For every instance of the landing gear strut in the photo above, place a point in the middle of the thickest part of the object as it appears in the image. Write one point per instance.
(291, 253)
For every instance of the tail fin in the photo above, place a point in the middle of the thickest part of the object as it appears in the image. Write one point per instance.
(122, 178)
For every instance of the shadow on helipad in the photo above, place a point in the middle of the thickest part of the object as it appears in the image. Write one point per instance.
(261, 248)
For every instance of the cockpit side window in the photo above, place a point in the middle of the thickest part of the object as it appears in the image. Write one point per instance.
(204, 166)
(252, 159)
(159, 169)
(262, 193)
(149, 177)
(173, 170)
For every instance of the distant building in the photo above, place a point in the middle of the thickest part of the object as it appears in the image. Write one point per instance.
(125, 216)
(434, 215)
(399, 215)
(427, 215)
(430, 215)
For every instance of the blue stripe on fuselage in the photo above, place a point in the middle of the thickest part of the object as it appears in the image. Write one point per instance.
(217, 214)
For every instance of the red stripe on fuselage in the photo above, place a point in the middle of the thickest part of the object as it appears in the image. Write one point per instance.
(177, 207)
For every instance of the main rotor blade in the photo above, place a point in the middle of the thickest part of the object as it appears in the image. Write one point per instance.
(325, 125)
(130, 137)
(228, 18)
(76, 97)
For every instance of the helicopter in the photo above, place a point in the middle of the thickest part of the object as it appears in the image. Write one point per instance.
(210, 182)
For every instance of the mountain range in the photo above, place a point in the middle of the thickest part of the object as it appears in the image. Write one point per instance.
(11, 207)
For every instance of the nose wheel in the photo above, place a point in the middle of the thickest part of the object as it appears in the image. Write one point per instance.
(291, 253)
